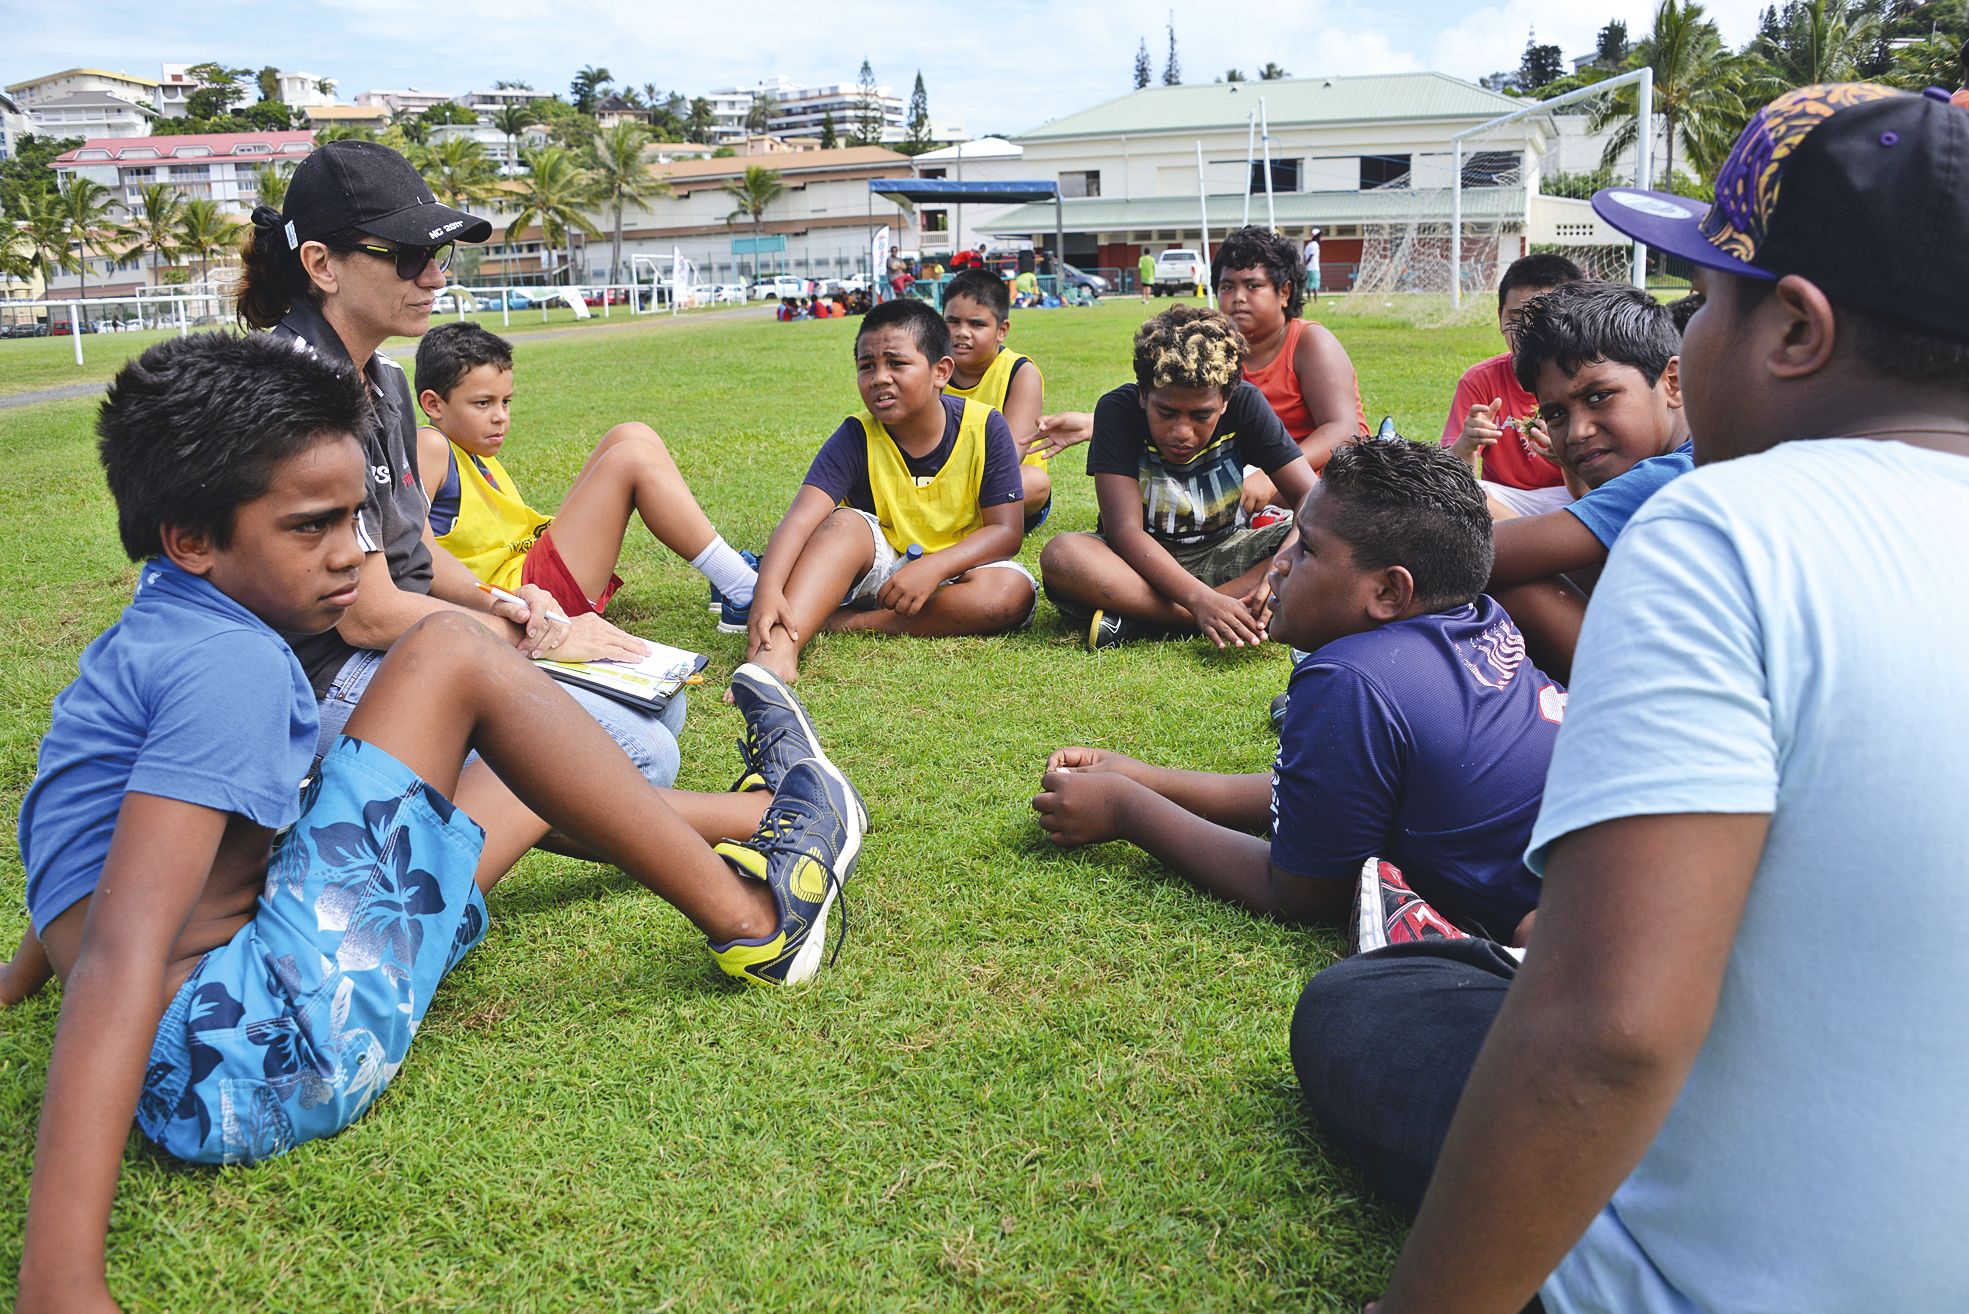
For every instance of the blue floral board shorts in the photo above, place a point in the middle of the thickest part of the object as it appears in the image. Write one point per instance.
(290, 1030)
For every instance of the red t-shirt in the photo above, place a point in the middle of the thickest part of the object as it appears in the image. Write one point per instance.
(1511, 460)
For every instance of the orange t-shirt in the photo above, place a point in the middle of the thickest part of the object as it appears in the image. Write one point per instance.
(1960, 99)
(1280, 384)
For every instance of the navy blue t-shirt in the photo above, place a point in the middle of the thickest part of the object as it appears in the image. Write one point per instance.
(840, 468)
(189, 696)
(1424, 743)
(1607, 509)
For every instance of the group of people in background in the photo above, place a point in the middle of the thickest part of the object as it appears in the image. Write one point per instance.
(1621, 776)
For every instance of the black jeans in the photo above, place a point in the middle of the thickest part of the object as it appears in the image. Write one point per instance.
(1383, 1045)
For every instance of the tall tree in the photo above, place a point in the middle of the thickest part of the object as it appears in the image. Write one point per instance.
(273, 184)
(512, 120)
(698, 123)
(917, 139)
(16, 253)
(343, 132)
(829, 138)
(621, 177)
(1696, 92)
(1815, 41)
(85, 205)
(268, 79)
(1232, 75)
(27, 172)
(868, 109)
(553, 196)
(204, 231)
(458, 171)
(759, 114)
(509, 84)
(1144, 70)
(587, 86)
(218, 90)
(1271, 72)
(152, 229)
(1540, 65)
(1611, 47)
(43, 222)
(751, 194)
(1172, 68)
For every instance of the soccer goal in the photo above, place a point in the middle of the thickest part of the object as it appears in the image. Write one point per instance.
(1441, 231)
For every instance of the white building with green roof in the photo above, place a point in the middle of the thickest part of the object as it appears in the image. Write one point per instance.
(1349, 155)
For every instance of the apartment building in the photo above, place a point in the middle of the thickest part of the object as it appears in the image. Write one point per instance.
(408, 100)
(72, 81)
(89, 114)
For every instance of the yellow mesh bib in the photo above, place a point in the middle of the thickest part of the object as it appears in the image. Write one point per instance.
(494, 527)
(991, 388)
(940, 511)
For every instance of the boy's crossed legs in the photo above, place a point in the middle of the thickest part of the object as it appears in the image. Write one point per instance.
(1083, 574)
(848, 577)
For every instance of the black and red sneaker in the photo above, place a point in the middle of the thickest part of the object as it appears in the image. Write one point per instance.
(1387, 912)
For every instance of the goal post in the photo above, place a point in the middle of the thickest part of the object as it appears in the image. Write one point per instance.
(1644, 80)
(1439, 223)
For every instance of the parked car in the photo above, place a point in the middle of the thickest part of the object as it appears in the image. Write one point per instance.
(449, 303)
(514, 300)
(771, 287)
(616, 296)
(1081, 278)
(1179, 272)
(731, 293)
(29, 330)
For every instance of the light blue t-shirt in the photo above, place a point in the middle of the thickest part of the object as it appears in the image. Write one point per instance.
(1607, 509)
(189, 696)
(1784, 634)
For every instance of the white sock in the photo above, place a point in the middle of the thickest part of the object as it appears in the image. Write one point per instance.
(727, 571)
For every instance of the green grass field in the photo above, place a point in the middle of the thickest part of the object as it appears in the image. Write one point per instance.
(1035, 1080)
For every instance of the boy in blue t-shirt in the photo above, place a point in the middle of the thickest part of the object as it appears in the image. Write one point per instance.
(1417, 731)
(237, 990)
(1601, 359)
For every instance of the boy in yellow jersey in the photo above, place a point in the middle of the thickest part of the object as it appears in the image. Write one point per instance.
(978, 311)
(465, 387)
(909, 515)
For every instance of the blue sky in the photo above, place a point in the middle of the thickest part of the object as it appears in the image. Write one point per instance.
(1002, 66)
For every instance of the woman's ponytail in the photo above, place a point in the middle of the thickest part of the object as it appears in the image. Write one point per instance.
(271, 278)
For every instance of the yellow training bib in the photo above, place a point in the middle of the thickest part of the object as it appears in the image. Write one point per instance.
(991, 388)
(494, 528)
(938, 512)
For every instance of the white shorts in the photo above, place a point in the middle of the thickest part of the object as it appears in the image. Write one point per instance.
(1529, 501)
(888, 561)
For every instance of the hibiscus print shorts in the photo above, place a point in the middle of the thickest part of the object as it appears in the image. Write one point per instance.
(289, 1031)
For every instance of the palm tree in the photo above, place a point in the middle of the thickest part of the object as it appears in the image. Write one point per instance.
(44, 225)
(273, 184)
(343, 132)
(759, 188)
(457, 171)
(552, 196)
(759, 115)
(587, 87)
(512, 120)
(16, 256)
(621, 177)
(86, 206)
(1696, 91)
(1822, 42)
(153, 228)
(204, 231)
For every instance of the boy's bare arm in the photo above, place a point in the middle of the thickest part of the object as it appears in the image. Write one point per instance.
(26, 973)
(810, 507)
(1326, 381)
(113, 997)
(1582, 1066)
(1085, 808)
(1025, 400)
(1539, 547)
(1242, 801)
(433, 460)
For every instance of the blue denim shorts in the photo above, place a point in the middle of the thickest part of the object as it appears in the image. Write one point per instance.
(291, 1029)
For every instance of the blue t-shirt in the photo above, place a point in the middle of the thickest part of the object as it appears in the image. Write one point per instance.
(189, 696)
(1423, 742)
(840, 468)
(1781, 635)
(1607, 509)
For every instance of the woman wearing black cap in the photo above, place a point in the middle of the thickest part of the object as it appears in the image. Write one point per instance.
(356, 256)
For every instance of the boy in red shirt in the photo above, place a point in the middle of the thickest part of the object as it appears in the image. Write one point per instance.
(1490, 409)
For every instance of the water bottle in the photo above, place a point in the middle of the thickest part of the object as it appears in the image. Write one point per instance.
(915, 552)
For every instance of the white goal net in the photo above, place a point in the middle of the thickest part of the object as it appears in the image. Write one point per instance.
(1518, 184)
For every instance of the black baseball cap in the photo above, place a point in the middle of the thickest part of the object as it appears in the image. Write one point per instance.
(367, 186)
(1860, 188)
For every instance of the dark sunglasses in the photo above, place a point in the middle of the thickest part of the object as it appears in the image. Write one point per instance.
(410, 259)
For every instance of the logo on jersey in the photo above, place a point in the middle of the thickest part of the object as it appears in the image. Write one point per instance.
(380, 473)
(1552, 704)
(1493, 657)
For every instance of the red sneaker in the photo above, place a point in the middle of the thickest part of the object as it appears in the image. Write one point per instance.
(1387, 912)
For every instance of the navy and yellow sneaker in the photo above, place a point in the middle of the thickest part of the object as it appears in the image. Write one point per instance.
(778, 735)
(805, 850)
(718, 602)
